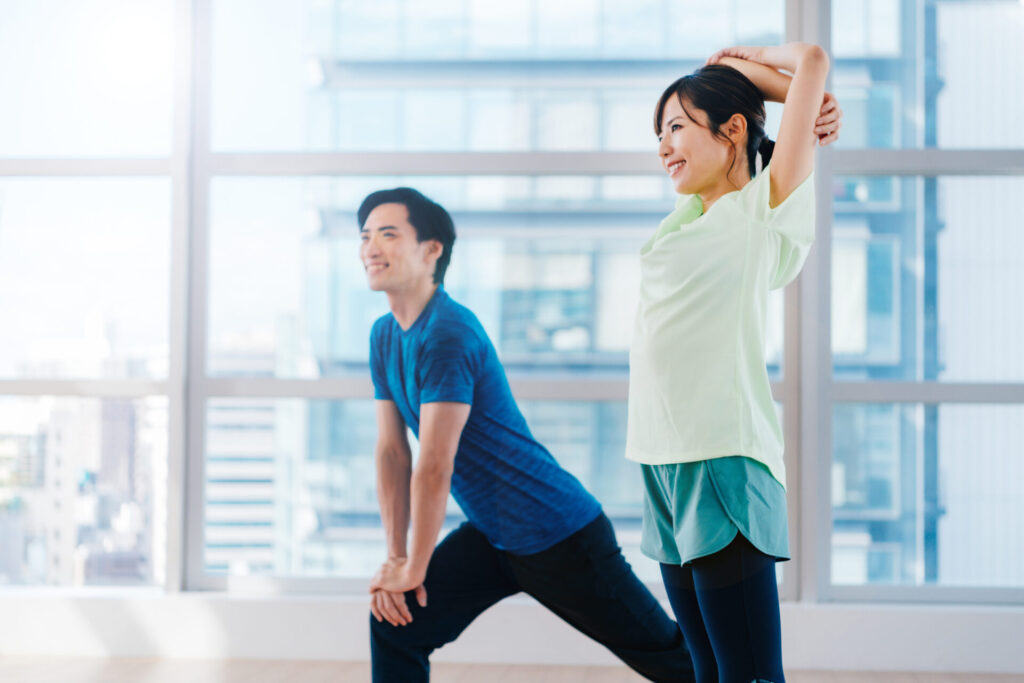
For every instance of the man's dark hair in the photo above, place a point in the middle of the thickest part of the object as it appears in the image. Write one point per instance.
(426, 216)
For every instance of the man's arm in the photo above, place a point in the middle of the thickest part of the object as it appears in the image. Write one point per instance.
(393, 460)
(441, 426)
(394, 466)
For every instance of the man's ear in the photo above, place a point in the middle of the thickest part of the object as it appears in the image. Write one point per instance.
(434, 248)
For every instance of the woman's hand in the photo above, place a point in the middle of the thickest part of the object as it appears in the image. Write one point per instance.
(830, 116)
(829, 121)
(747, 52)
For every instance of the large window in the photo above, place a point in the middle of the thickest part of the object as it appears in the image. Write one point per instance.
(184, 392)
(102, 87)
(85, 275)
(926, 254)
(83, 491)
(531, 124)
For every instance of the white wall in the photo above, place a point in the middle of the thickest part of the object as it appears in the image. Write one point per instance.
(192, 625)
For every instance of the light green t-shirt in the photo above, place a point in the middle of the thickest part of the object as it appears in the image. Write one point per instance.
(698, 387)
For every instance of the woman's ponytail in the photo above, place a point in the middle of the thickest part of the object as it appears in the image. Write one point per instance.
(765, 149)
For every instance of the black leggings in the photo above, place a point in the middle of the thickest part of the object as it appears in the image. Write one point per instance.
(727, 606)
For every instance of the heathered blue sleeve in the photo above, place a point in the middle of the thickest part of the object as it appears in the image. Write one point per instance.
(380, 385)
(448, 364)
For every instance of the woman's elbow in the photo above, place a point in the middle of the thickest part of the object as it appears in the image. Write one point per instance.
(814, 55)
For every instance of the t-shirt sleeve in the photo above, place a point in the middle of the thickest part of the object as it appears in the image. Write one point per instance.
(791, 224)
(377, 373)
(448, 366)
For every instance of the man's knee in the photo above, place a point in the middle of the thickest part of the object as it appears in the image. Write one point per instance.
(415, 637)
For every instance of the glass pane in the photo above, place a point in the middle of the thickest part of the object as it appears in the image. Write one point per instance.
(89, 262)
(926, 272)
(928, 495)
(549, 265)
(83, 491)
(459, 75)
(86, 78)
(910, 73)
(290, 484)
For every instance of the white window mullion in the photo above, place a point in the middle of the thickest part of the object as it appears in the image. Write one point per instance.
(23, 168)
(814, 504)
(525, 388)
(93, 388)
(929, 162)
(436, 163)
(974, 595)
(177, 424)
(927, 392)
(195, 577)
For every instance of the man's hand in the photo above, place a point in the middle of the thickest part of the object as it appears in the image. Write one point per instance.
(388, 588)
(829, 121)
(385, 605)
(398, 576)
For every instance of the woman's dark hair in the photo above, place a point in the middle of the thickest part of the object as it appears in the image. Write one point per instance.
(427, 217)
(721, 91)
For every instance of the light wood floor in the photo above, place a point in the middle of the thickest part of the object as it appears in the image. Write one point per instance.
(90, 670)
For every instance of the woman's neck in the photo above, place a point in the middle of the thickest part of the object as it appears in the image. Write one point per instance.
(732, 182)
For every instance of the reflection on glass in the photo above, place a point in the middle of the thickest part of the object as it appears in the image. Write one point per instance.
(911, 73)
(84, 267)
(927, 495)
(290, 484)
(459, 75)
(926, 279)
(549, 265)
(83, 491)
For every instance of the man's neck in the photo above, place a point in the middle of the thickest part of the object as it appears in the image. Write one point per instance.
(407, 305)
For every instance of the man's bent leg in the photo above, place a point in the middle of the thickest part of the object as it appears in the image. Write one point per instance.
(466, 576)
(587, 582)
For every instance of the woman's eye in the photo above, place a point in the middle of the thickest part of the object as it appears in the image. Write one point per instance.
(675, 127)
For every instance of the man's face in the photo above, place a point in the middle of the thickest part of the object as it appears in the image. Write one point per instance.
(394, 259)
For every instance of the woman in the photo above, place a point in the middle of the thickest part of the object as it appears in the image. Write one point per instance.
(701, 417)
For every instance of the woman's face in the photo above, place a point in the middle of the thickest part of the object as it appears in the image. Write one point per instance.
(694, 159)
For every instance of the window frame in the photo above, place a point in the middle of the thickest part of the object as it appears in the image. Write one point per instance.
(807, 390)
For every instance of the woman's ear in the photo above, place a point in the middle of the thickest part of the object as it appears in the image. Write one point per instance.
(735, 128)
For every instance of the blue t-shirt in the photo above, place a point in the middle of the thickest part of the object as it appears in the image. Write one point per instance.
(508, 485)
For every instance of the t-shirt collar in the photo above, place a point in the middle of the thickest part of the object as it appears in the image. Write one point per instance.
(439, 294)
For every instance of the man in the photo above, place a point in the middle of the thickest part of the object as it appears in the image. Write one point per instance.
(531, 525)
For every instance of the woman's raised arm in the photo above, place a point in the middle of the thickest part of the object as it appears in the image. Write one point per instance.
(793, 158)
